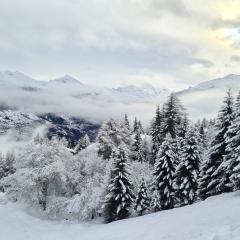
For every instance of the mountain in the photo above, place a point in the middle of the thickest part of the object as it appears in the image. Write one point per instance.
(66, 80)
(24, 124)
(229, 81)
(205, 98)
(68, 96)
(71, 128)
(17, 120)
(18, 79)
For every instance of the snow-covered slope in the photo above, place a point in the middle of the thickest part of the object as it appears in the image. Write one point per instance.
(67, 79)
(216, 218)
(18, 79)
(15, 119)
(22, 125)
(205, 99)
(230, 81)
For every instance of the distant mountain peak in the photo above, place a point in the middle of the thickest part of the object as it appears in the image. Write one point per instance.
(67, 79)
(229, 81)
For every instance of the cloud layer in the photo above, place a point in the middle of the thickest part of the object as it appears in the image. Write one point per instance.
(107, 42)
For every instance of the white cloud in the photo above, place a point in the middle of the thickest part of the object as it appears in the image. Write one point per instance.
(98, 39)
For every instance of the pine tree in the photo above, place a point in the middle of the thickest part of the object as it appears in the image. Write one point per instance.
(211, 180)
(184, 125)
(142, 201)
(156, 134)
(173, 114)
(82, 144)
(202, 135)
(188, 168)
(135, 125)
(231, 162)
(140, 127)
(126, 122)
(119, 196)
(164, 174)
(155, 202)
(137, 149)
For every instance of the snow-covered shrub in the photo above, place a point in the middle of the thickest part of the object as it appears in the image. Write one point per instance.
(53, 181)
(89, 179)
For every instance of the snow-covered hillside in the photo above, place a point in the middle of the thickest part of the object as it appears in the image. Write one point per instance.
(216, 218)
(229, 81)
(18, 125)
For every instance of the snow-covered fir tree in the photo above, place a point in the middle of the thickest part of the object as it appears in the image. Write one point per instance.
(119, 197)
(140, 127)
(231, 162)
(137, 148)
(211, 180)
(126, 122)
(82, 144)
(142, 203)
(164, 174)
(156, 133)
(155, 201)
(188, 169)
(173, 114)
(184, 125)
(135, 125)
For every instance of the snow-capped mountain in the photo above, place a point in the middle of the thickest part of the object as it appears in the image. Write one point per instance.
(67, 79)
(72, 128)
(205, 98)
(18, 79)
(231, 81)
(67, 95)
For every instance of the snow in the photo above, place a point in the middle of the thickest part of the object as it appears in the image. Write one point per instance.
(68, 95)
(216, 218)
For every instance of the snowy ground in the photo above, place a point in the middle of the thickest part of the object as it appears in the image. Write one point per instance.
(214, 219)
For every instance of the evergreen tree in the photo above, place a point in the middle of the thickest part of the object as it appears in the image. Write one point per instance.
(137, 148)
(188, 168)
(82, 144)
(140, 127)
(173, 114)
(211, 180)
(135, 125)
(164, 174)
(202, 136)
(184, 125)
(119, 196)
(231, 162)
(142, 200)
(155, 202)
(156, 133)
(126, 122)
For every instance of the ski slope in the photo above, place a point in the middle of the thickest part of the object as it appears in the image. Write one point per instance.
(216, 218)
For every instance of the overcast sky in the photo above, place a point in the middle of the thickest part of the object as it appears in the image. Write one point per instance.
(167, 43)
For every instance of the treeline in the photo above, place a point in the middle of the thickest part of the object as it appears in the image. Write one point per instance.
(129, 170)
(187, 165)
